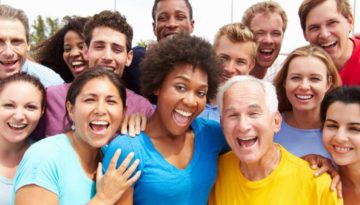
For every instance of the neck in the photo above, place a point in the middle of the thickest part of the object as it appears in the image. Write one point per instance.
(259, 170)
(303, 120)
(258, 71)
(12, 153)
(89, 156)
(350, 176)
(340, 62)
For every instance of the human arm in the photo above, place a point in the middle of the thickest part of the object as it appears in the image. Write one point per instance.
(35, 195)
(323, 165)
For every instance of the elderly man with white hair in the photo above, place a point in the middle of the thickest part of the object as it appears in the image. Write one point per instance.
(257, 170)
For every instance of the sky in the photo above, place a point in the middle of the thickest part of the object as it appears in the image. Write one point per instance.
(208, 19)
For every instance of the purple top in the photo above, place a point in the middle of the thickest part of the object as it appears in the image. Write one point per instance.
(54, 116)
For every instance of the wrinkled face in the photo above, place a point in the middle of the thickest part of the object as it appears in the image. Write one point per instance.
(13, 47)
(341, 133)
(171, 17)
(328, 28)
(73, 55)
(20, 111)
(268, 30)
(108, 48)
(97, 112)
(247, 123)
(181, 98)
(306, 83)
(236, 58)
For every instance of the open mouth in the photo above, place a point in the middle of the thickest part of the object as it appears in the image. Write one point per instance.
(99, 126)
(17, 126)
(342, 149)
(9, 63)
(77, 65)
(182, 117)
(329, 45)
(266, 52)
(246, 142)
(304, 97)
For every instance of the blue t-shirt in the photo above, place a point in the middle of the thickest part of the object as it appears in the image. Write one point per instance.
(53, 164)
(211, 112)
(301, 142)
(161, 182)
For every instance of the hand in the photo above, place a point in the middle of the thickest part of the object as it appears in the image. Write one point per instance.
(111, 186)
(322, 165)
(136, 122)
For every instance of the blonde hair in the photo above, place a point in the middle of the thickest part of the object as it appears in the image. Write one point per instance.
(269, 7)
(310, 50)
(237, 33)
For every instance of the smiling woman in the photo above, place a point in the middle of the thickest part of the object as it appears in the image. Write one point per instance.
(62, 169)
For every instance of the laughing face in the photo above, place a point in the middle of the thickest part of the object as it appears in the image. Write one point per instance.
(73, 55)
(247, 123)
(97, 112)
(341, 133)
(328, 28)
(108, 48)
(268, 30)
(13, 47)
(306, 83)
(19, 115)
(181, 98)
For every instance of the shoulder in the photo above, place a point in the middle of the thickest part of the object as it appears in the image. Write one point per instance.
(137, 103)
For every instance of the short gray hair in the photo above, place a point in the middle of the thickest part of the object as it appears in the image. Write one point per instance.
(8, 12)
(271, 100)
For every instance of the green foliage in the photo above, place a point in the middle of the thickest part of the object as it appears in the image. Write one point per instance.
(43, 29)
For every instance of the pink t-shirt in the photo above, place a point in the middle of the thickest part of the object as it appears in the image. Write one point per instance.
(350, 73)
(56, 121)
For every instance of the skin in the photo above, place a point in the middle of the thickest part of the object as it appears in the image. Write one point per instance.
(306, 85)
(108, 48)
(96, 113)
(234, 62)
(328, 28)
(13, 47)
(73, 55)
(269, 35)
(341, 137)
(245, 116)
(171, 17)
(18, 118)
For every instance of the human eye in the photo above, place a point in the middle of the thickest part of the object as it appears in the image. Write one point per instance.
(355, 129)
(118, 49)
(241, 62)
(162, 18)
(81, 45)
(313, 28)
(17, 42)
(333, 23)
(180, 87)
(112, 101)
(89, 99)
(181, 16)
(202, 93)
(295, 78)
(330, 125)
(8, 105)
(67, 48)
(31, 107)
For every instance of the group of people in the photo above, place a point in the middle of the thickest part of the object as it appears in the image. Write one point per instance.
(227, 122)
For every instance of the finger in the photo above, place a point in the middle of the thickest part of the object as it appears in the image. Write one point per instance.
(124, 125)
(321, 171)
(137, 124)
(132, 125)
(334, 181)
(99, 174)
(114, 159)
(143, 122)
(132, 168)
(339, 190)
(123, 166)
(133, 179)
(313, 164)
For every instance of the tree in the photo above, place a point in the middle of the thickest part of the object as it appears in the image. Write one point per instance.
(43, 29)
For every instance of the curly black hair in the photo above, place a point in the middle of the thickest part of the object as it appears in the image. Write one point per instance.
(50, 52)
(111, 19)
(175, 50)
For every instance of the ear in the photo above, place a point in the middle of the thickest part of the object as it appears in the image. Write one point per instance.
(192, 23)
(277, 122)
(70, 110)
(129, 57)
(154, 27)
(251, 65)
(157, 91)
(329, 83)
(350, 20)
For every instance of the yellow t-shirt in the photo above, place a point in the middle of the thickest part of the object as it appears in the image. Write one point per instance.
(291, 183)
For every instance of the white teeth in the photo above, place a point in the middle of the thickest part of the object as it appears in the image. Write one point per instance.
(266, 51)
(247, 138)
(304, 97)
(76, 63)
(17, 126)
(99, 123)
(183, 113)
(342, 149)
(326, 45)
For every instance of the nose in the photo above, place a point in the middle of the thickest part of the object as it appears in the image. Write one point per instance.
(190, 99)
(267, 38)
(229, 67)
(341, 135)
(7, 50)
(305, 84)
(75, 52)
(19, 114)
(172, 22)
(243, 125)
(324, 33)
(100, 108)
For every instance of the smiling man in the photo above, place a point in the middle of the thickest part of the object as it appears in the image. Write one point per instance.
(14, 45)
(328, 23)
(257, 170)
